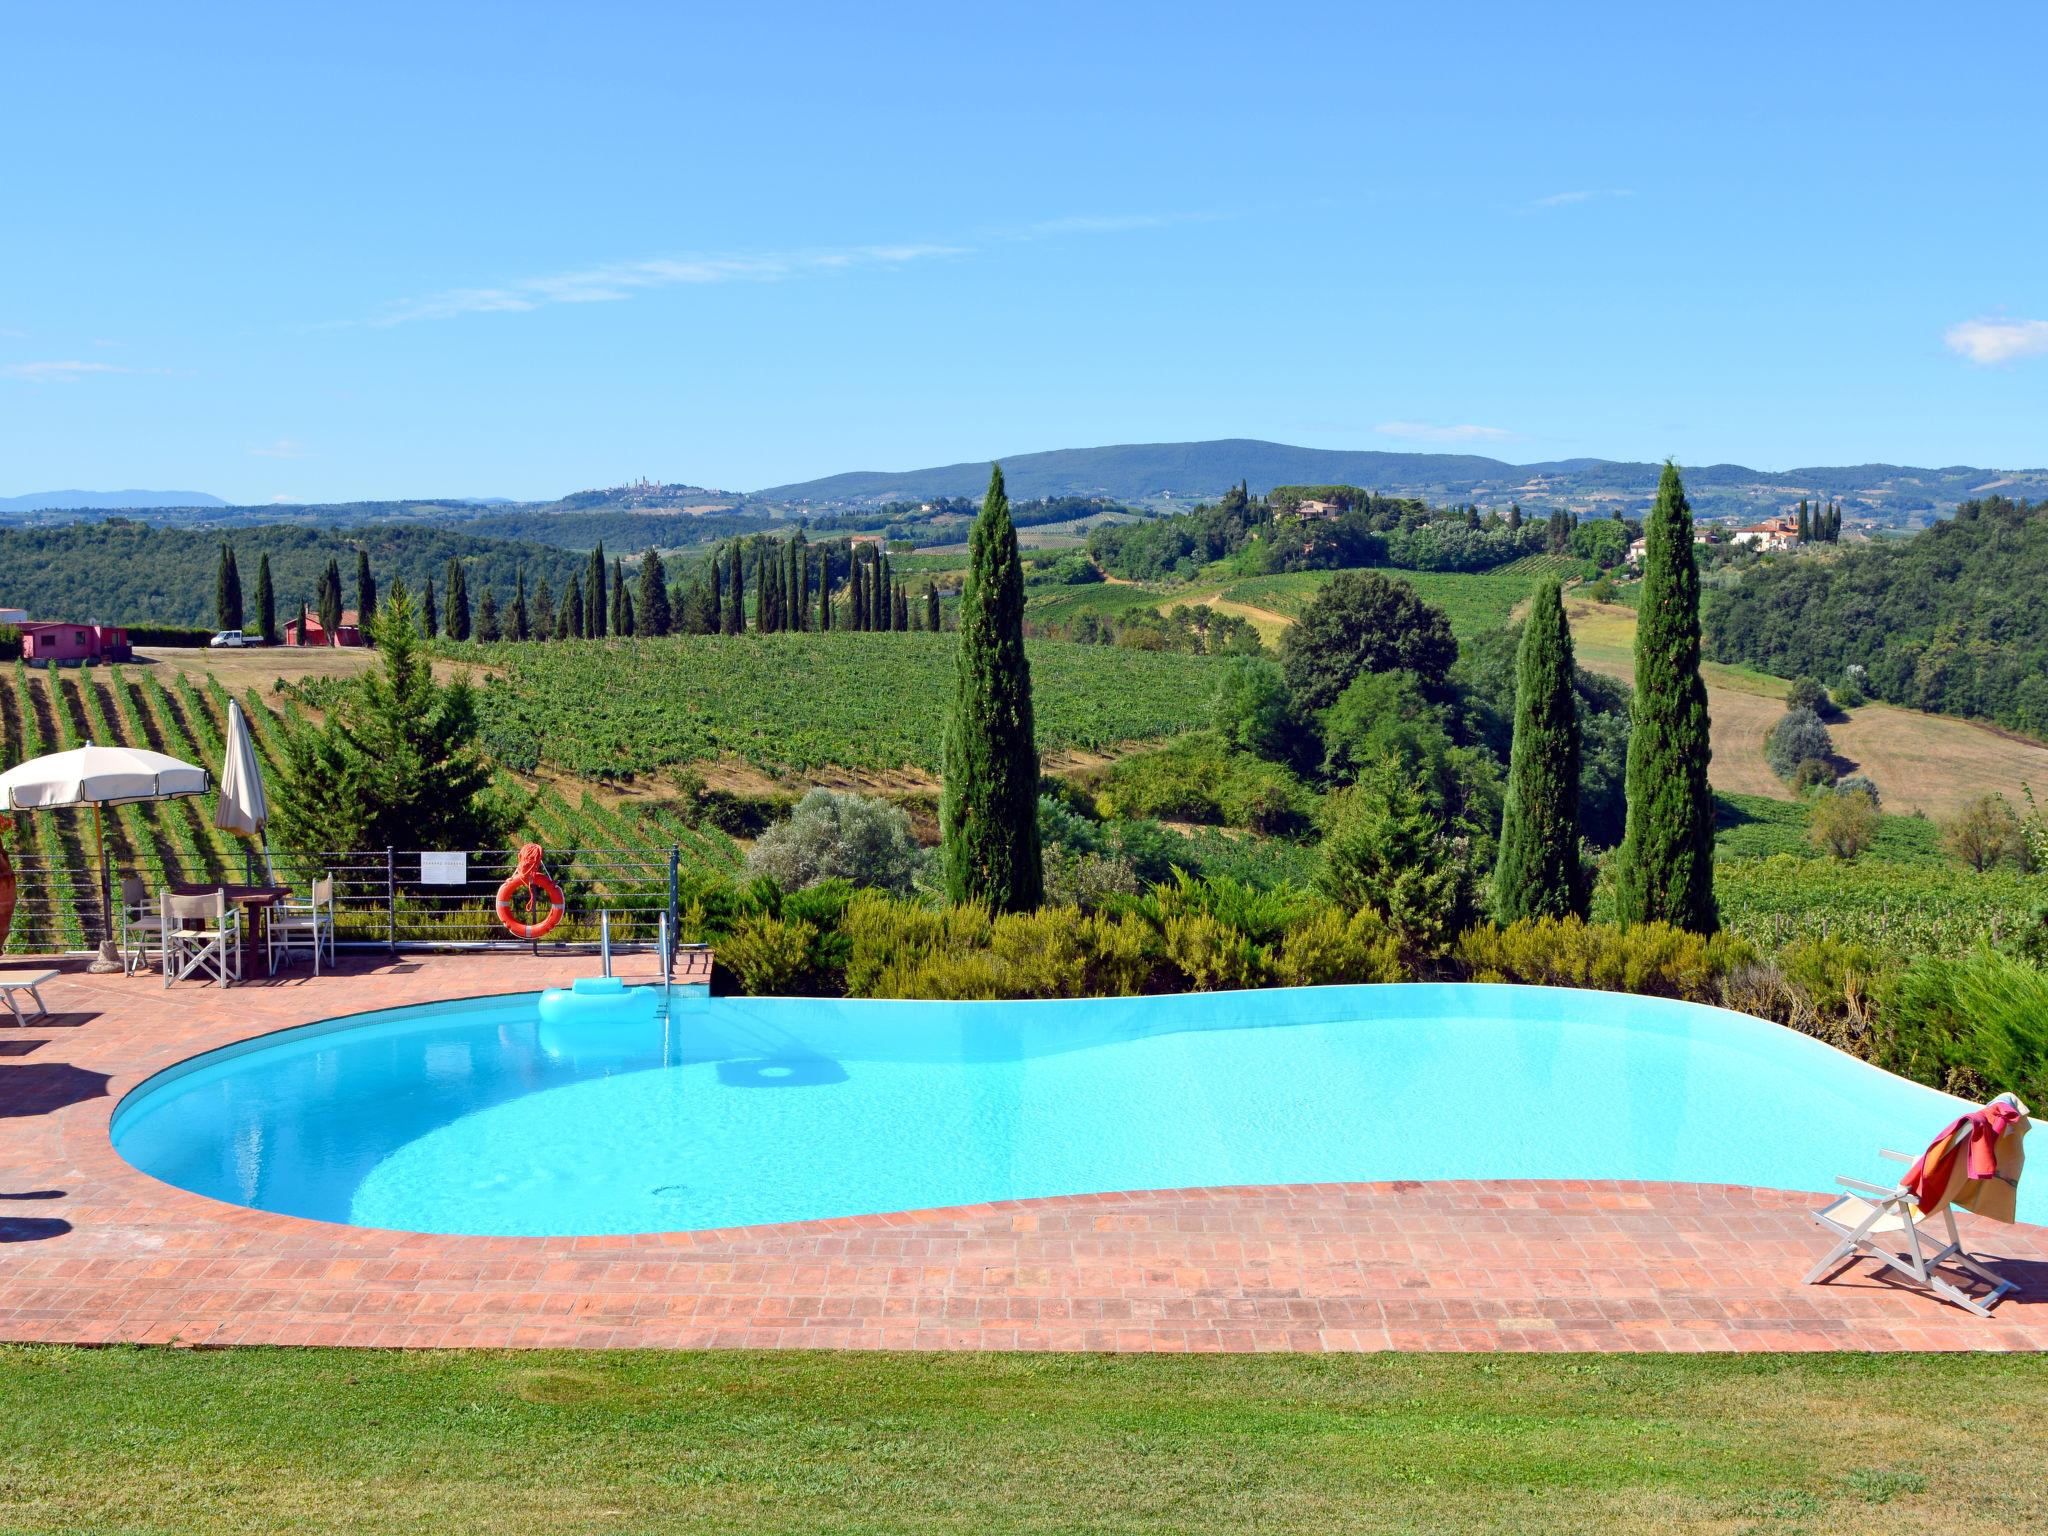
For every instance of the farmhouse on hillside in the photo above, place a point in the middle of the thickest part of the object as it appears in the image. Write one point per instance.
(44, 644)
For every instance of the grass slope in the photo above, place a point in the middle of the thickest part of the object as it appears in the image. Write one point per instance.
(369, 1442)
(799, 701)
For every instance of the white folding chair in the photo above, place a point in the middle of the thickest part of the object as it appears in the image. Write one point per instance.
(304, 925)
(142, 925)
(201, 933)
(1886, 1225)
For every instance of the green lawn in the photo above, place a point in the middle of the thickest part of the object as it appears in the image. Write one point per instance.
(123, 1440)
(1473, 601)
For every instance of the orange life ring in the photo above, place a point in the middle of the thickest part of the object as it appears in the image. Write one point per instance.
(530, 877)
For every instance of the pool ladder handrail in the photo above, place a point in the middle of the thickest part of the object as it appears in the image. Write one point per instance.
(664, 942)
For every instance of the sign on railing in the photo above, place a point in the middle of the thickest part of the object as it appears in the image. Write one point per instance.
(383, 898)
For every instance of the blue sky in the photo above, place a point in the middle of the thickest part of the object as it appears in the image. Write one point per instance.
(363, 251)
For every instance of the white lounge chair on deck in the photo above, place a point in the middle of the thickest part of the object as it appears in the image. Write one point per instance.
(1893, 1227)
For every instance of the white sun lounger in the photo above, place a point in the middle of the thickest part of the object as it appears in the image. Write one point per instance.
(13, 982)
(1885, 1224)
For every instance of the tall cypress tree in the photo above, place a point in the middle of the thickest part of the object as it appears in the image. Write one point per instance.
(227, 590)
(899, 609)
(931, 606)
(824, 590)
(518, 623)
(572, 625)
(988, 814)
(487, 628)
(430, 611)
(1666, 869)
(366, 591)
(760, 590)
(1537, 873)
(543, 610)
(618, 625)
(735, 591)
(886, 616)
(717, 596)
(1805, 522)
(456, 626)
(266, 601)
(330, 599)
(656, 616)
(595, 598)
(629, 621)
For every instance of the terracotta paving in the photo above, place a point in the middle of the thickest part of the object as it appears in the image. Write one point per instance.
(92, 1251)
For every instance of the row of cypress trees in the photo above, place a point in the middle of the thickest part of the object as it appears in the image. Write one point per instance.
(1665, 870)
(791, 584)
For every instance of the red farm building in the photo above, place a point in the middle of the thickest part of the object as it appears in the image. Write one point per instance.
(306, 630)
(45, 644)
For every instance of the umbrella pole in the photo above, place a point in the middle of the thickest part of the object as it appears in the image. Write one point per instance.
(109, 957)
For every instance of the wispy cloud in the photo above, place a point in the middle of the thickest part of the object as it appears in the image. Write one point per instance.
(69, 370)
(1566, 199)
(1433, 432)
(1998, 341)
(612, 281)
(283, 448)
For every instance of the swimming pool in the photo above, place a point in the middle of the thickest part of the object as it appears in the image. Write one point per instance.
(475, 1117)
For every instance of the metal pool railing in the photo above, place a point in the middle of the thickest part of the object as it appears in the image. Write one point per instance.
(614, 899)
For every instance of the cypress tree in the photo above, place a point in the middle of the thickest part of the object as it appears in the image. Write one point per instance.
(619, 625)
(519, 625)
(543, 610)
(931, 605)
(304, 618)
(487, 617)
(856, 612)
(988, 814)
(1666, 869)
(456, 624)
(1537, 873)
(824, 590)
(1514, 515)
(266, 601)
(366, 591)
(887, 617)
(330, 599)
(594, 596)
(656, 616)
(899, 609)
(629, 621)
(1805, 525)
(227, 590)
(761, 612)
(717, 597)
(430, 611)
(736, 594)
(572, 609)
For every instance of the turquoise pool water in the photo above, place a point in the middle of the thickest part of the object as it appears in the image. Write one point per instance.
(476, 1117)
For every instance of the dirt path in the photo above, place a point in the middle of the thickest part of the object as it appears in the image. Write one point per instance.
(1270, 625)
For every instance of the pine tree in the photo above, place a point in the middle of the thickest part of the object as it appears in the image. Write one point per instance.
(573, 626)
(366, 591)
(594, 597)
(736, 594)
(656, 617)
(518, 625)
(455, 621)
(988, 814)
(487, 618)
(1666, 867)
(430, 611)
(931, 606)
(266, 601)
(1537, 873)
(227, 590)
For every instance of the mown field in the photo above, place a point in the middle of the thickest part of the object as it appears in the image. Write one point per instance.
(368, 1442)
(877, 701)
(1472, 601)
(182, 710)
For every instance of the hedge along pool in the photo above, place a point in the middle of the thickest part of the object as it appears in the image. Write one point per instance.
(475, 1117)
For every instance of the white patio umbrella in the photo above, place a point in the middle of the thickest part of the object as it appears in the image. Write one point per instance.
(242, 807)
(98, 776)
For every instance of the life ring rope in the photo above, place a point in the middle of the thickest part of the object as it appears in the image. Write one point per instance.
(532, 879)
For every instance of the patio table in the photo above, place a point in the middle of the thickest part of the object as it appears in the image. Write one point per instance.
(252, 899)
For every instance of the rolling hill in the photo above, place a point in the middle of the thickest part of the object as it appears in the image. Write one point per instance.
(105, 501)
(1885, 495)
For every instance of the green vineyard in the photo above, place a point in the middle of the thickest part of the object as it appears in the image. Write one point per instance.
(621, 708)
(176, 840)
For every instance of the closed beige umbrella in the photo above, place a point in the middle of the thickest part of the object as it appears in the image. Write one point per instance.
(242, 807)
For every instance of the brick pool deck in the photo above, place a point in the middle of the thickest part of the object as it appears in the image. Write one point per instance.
(93, 1252)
